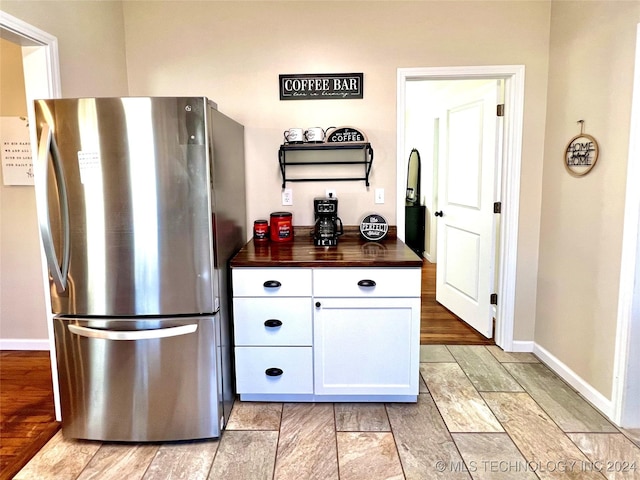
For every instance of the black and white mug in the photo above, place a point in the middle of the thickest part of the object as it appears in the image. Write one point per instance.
(294, 135)
(314, 135)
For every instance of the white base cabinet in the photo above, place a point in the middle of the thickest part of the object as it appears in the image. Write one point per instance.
(327, 334)
(366, 346)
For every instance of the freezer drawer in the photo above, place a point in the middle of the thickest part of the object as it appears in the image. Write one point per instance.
(139, 380)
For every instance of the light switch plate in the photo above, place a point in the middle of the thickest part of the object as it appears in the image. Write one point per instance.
(379, 195)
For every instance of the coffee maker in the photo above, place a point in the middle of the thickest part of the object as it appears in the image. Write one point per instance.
(328, 226)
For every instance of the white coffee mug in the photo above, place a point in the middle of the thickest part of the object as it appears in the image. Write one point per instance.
(314, 134)
(294, 135)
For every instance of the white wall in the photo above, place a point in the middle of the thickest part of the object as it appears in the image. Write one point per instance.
(92, 62)
(234, 51)
(22, 307)
(570, 229)
(90, 42)
(590, 78)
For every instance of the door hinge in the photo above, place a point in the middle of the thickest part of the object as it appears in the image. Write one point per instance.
(497, 207)
(500, 110)
(494, 299)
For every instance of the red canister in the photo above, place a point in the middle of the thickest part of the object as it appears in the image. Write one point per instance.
(261, 230)
(281, 229)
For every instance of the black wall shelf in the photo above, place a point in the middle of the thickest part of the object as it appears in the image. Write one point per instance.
(367, 160)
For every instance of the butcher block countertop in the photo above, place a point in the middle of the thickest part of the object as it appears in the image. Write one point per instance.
(352, 251)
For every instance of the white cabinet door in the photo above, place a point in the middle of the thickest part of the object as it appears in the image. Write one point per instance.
(366, 346)
(466, 195)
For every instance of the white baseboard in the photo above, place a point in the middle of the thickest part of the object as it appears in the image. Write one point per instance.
(598, 400)
(24, 344)
(522, 346)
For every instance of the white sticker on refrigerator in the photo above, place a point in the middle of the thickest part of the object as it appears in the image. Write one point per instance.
(89, 163)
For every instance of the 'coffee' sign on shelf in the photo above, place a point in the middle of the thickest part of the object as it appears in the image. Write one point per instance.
(346, 135)
(321, 86)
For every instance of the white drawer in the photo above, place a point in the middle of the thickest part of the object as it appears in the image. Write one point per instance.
(254, 319)
(271, 282)
(366, 282)
(295, 364)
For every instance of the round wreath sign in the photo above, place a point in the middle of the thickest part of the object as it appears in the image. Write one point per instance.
(581, 153)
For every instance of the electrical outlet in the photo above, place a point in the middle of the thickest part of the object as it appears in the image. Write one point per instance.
(330, 192)
(287, 197)
(379, 195)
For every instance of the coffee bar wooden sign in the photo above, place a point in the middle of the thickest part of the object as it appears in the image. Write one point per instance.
(321, 86)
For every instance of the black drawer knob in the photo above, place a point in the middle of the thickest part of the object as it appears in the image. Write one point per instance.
(273, 372)
(366, 283)
(318, 304)
(272, 323)
(272, 284)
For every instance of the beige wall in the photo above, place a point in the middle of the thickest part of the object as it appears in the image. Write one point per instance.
(570, 229)
(22, 308)
(90, 42)
(92, 63)
(590, 78)
(234, 51)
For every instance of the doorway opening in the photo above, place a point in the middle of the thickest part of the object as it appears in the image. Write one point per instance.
(41, 80)
(439, 326)
(508, 183)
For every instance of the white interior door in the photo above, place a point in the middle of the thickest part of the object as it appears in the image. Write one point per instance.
(466, 194)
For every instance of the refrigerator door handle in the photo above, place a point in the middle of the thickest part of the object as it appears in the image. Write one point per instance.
(47, 144)
(133, 334)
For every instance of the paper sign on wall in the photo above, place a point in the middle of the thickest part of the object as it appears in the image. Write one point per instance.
(17, 165)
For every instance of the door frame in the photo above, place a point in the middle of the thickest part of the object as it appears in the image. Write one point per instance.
(625, 396)
(20, 32)
(509, 187)
(46, 65)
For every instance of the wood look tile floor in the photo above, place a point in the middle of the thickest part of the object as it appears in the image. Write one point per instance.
(27, 416)
(481, 414)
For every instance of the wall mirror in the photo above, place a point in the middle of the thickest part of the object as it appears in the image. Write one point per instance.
(413, 179)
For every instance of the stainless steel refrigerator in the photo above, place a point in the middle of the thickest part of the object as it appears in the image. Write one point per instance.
(141, 203)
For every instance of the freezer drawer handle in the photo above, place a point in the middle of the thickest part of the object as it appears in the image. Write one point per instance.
(366, 283)
(272, 323)
(133, 334)
(274, 372)
(272, 284)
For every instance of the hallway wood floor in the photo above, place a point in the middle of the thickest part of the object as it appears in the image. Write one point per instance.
(438, 326)
(27, 417)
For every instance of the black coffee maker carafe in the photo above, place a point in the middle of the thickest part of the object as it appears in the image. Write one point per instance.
(328, 226)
